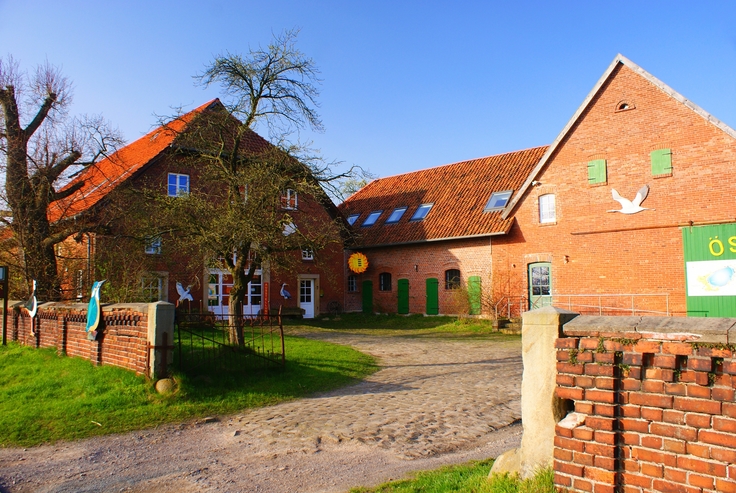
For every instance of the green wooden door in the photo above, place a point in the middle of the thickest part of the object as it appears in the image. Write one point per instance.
(433, 301)
(710, 270)
(367, 296)
(540, 285)
(474, 294)
(403, 285)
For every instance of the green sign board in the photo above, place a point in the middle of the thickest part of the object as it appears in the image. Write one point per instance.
(710, 270)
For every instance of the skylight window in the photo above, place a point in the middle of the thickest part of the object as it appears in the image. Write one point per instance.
(396, 215)
(421, 212)
(498, 201)
(372, 218)
(352, 218)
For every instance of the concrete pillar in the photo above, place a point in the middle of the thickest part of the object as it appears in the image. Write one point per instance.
(540, 408)
(160, 322)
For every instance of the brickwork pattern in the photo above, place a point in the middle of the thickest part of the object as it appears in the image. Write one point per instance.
(594, 251)
(659, 415)
(417, 263)
(123, 341)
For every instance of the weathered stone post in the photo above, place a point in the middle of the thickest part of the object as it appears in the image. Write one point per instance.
(540, 408)
(160, 322)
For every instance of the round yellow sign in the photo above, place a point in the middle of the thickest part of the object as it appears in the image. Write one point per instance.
(358, 263)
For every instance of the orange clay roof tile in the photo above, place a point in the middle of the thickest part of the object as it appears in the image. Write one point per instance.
(104, 176)
(459, 193)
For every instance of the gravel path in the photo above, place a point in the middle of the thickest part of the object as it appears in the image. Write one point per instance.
(433, 402)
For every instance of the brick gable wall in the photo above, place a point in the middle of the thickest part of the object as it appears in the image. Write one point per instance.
(594, 251)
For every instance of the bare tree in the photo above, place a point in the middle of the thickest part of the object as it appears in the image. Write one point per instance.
(243, 211)
(40, 145)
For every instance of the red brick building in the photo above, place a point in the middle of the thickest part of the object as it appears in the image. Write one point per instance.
(154, 162)
(558, 235)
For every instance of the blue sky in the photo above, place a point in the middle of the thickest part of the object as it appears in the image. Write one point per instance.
(406, 85)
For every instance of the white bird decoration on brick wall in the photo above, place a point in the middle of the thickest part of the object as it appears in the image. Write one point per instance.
(284, 293)
(631, 206)
(184, 294)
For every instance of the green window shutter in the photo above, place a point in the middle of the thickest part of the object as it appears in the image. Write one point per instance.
(597, 171)
(367, 296)
(661, 161)
(474, 294)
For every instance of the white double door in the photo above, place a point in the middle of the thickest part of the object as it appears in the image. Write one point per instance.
(218, 293)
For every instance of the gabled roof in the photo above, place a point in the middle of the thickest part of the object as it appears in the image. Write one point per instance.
(622, 60)
(104, 176)
(459, 192)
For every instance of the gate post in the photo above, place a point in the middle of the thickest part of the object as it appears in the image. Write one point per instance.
(160, 338)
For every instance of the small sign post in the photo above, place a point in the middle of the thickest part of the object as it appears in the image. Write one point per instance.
(4, 296)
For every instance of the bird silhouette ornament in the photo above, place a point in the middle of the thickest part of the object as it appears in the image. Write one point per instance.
(31, 307)
(284, 293)
(184, 294)
(94, 311)
(631, 206)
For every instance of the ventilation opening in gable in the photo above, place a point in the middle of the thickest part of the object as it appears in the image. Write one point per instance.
(625, 105)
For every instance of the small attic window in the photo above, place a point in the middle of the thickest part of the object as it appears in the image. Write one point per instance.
(396, 215)
(352, 218)
(498, 201)
(421, 212)
(624, 106)
(372, 218)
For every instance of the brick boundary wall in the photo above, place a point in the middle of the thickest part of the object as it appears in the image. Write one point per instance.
(654, 399)
(125, 338)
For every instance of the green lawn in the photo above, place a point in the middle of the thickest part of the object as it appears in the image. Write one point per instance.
(45, 397)
(466, 478)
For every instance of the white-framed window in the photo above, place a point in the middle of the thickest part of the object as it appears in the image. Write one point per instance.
(152, 286)
(80, 284)
(307, 254)
(289, 200)
(178, 184)
(421, 212)
(153, 246)
(352, 284)
(547, 211)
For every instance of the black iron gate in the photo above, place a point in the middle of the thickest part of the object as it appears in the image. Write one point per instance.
(204, 340)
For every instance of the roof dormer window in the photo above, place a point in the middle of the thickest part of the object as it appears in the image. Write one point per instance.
(498, 201)
(352, 218)
(372, 218)
(421, 212)
(396, 215)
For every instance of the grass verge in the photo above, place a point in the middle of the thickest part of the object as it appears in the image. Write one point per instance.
(45, 397)
(466, 478)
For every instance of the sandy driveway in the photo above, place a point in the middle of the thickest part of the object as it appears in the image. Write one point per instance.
(433, 402)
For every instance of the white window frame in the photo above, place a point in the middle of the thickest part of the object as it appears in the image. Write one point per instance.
(153, 246)
(307, 254)
(547, 209)
(161, 279)
(177, 187)
(289, 200)
(352, 284)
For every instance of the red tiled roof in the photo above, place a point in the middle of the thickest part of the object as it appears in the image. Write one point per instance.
(103, 177)
(458, 191)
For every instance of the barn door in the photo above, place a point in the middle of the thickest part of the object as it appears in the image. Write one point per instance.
(403, 296)
(367, 296)
(433, 303)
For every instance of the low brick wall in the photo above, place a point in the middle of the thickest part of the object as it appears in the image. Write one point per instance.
(655, 404)
(131, 335)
